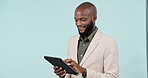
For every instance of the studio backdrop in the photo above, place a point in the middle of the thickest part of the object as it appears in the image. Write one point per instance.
(30, 29)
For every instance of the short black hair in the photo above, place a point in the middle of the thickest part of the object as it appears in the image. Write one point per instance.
(87, 5)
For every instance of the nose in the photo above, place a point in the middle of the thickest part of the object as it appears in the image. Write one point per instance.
(78, 23)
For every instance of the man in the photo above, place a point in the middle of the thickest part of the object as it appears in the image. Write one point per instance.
(92, 53)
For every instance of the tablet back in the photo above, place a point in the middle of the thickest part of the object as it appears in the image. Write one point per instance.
(59, 62)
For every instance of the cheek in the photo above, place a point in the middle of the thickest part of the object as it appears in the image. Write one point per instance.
(81, 23)
(86, 23)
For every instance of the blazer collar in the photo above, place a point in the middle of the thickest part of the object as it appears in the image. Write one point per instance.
(91, 46)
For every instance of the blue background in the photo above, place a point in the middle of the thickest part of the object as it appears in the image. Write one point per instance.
(30, 29)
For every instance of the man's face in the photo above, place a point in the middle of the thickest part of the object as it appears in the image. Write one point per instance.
(83, 21)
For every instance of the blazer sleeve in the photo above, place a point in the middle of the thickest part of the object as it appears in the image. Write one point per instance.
(111, 67)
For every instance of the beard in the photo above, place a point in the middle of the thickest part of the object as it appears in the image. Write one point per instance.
(88, 28)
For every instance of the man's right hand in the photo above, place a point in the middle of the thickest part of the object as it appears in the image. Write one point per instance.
(59, 71)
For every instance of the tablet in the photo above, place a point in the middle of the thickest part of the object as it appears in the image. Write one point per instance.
(60, 63)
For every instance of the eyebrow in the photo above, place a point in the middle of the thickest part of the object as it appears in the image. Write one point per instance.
(83, 17)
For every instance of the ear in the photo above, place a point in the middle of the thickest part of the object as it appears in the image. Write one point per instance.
(94, 18)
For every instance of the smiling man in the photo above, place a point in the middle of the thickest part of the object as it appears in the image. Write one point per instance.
(92, 53)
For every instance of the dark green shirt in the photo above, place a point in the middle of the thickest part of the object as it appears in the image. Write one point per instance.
(83, 45)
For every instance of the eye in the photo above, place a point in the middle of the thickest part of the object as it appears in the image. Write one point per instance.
(83, 20)
(76, 20)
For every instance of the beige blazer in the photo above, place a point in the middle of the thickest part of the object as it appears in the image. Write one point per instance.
(100, 59)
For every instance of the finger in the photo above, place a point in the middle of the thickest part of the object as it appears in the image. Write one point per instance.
(58, 70)
(64, 74)
(61, 73)
(72, 64)
(55, 67)
(68, 60)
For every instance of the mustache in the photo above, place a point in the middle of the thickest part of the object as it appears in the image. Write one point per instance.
(87, 27)
(81, 26)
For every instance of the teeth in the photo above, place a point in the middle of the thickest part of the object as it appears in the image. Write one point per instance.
(81, 27)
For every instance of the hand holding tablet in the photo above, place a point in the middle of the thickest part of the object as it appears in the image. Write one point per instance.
(60, 63)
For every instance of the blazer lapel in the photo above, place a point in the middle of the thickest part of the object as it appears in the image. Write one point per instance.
(92, 46)
(75, 46)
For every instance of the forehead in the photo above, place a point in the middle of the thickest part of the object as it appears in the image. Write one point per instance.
(82, 13)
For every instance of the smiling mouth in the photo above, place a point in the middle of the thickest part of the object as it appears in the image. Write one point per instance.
(81, 28)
